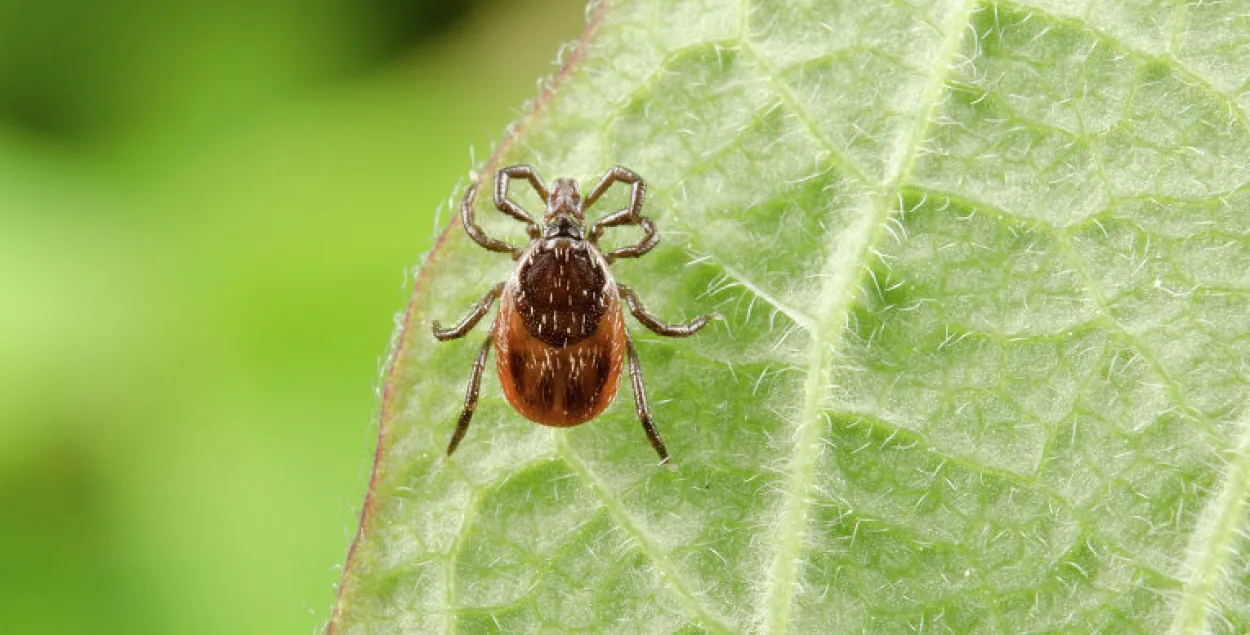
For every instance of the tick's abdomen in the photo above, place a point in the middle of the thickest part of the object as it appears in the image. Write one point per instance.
(560, 343)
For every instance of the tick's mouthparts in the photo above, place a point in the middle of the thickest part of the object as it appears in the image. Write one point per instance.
(564, 227)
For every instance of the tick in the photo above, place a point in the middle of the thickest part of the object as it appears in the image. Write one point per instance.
(559, 338)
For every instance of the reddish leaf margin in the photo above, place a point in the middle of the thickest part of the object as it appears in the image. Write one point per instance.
(388, 396)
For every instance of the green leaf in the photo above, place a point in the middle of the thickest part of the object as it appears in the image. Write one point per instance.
(985, 268)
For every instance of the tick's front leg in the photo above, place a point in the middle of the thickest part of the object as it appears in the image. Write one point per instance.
(631, 215)
(505, 205)
(470, 320)
(659, 328)
(640, 401)
(470, 397)
(637, 188)
(468, 219)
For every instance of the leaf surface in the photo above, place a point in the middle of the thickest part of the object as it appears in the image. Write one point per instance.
(985, 269)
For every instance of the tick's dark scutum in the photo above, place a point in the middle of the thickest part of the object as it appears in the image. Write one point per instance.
(563, 298)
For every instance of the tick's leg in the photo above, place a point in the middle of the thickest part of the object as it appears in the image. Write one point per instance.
(469, 321)
(659, 328)
(470, 397)
(640, 401)
(471, 228)
(649, 239)
(631, 215)
(628, 216)
(506, 206)
(637, 192)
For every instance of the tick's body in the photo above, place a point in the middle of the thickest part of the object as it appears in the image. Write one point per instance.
(560, 337)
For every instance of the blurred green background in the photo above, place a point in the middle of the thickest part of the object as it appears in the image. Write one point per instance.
(207, 213)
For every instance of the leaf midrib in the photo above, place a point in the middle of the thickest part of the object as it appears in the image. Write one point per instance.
(843, 276)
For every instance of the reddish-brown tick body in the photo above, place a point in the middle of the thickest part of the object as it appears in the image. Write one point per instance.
(560, 337)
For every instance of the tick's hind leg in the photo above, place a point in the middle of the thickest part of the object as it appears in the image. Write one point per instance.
(474, 316)
(470, 397)
(640, 400)
(659, 328)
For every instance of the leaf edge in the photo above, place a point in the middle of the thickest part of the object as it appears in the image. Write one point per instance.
(594, 17)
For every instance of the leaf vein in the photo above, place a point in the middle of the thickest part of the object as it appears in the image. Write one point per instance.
(1182, 69)
(840, 292)
(450, 614)
(798, 317)
(839, 159)
(1108, 321)
(670, 573)
(1218, 527)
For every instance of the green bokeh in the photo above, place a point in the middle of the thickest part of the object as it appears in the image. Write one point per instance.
(206, 216)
